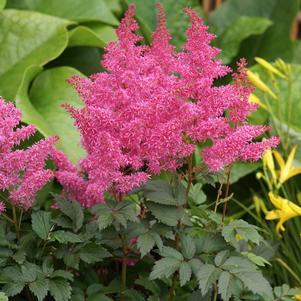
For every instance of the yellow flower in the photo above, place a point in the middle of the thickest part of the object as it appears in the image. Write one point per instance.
(297, 297)
(284, 211)
(286, 169)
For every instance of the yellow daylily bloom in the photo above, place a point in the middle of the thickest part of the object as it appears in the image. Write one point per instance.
(284, 211)
(268, 66)
(287, 171)
(258, 83)
(253, 98)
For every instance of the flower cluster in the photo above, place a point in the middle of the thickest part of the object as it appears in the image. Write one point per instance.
(22, 172)
(152, 105)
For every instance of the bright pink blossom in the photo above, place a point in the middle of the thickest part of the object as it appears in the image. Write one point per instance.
(145, 113)
(22, 172)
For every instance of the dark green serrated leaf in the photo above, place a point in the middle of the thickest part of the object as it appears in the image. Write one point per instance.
(207, 276)
(65, 237)
(172, 253)
(188, 246)
(41, 223)
(92, 253)
(185, 272)
(73, 210)
(166, 214)
(60, 289)
(62, 274)
(221, 257)
(39, 287)
(145, 243)
(13, 288)
(164, 267)
(227, 286)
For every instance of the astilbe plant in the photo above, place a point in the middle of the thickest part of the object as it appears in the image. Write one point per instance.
(147, 112)
(144, 115)
(22, 171)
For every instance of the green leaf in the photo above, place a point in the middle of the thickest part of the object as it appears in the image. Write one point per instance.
(258, 260)
(73, 210)
(161, 192)
(48, 92)
(185, 272)
(177, 22)
(164, 267)
(256, 283)
(197, 194)
(77, 10)
(221, 257)
(170, 252)
(85, 36)
(242, 169)
(65, 237)
(237, 264)
(60, 289)
(13, 288)
(29, 38)
(276, 41)
(105, 218)
(166, 214)
(145, 243)
(92, 253)
(207, 276)
(188, 246)
(227, 286)
(39, 287)
(241, 28)
(2, 4)
(62, 274)
(99, 297)
(195, 264)
(151, 286)
(41, 223)
(246, 232)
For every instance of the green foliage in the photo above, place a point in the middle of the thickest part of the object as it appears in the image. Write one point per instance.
(166, 233)
(275, 41)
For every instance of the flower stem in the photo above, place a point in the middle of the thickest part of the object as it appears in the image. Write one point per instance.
(179, 225)
(17, 229)
(228, 173)
(123, 270)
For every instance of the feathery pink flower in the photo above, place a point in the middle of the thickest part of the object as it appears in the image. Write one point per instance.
(22, 172)
(145, 113)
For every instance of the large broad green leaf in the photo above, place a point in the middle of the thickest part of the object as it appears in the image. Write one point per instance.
(28, 38)
(43, 107)
(96, 35)
(177, 22)
(275, 42)
(241, 28)
(2, 4)
(242, 169)
(77, 10)
(287, 107)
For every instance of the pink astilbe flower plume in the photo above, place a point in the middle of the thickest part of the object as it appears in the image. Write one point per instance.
(22, 172)
(145, 113)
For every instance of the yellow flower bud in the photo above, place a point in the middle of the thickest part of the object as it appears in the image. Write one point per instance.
(268, 66)
(258, 83)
